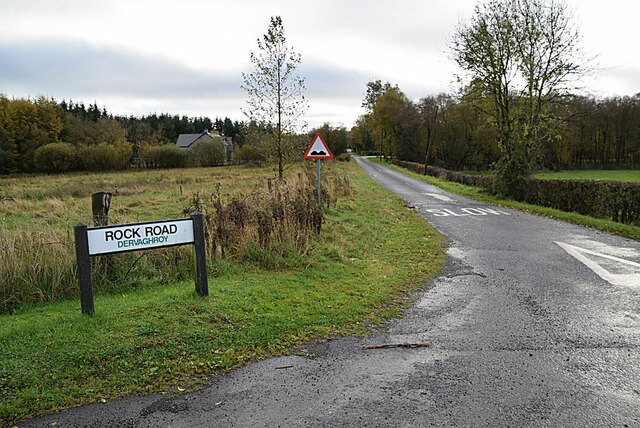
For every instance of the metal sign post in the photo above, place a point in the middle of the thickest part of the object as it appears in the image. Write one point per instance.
(92, 241)
(318, 181)
(318, 150)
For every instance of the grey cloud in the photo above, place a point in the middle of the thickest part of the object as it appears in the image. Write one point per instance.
(79, 69)
(626, 75)
(73, 69)
(333, 82)
(128, 82)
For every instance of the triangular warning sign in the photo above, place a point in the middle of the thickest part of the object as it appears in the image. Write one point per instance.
(318, 149)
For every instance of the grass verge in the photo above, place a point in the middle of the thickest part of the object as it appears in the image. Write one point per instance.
(480, 194)
(627, 175)
(371, 255)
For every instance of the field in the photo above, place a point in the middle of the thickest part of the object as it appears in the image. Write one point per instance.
(141, 194)
(625, 175)
(37, 214)
(157, 334)
(632, 176)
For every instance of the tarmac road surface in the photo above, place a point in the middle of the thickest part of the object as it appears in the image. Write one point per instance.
(533, 322)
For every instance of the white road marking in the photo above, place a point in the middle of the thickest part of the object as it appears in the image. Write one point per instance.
(444, 212)
(622, 252)
(474, 211)
(440, 197)
(629, 279)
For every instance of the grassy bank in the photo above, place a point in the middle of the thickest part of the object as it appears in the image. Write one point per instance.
(480, 194)
(628, 175)
(372, 252)
(631, 176)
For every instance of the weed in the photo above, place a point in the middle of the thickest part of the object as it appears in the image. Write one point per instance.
(272, 224)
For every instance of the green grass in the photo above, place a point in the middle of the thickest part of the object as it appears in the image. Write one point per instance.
(372, 253)
(614, 175)
(629, 175)
(480, 194)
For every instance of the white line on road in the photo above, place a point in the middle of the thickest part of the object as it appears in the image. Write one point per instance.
(440, 197)
(624, 279)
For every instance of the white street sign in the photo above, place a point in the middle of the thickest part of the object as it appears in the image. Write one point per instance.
(139, 236)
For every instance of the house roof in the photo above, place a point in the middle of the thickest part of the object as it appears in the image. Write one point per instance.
(185, 140)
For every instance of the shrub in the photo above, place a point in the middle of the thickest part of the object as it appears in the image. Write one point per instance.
(209, 153)
(445, 174)
(249, 154)
(510, 178)
(343, 157)
(55, 157)
(369, 153)
(613, 200)
(168, 156)
(123, 151)
(100, 157)
(271, 226)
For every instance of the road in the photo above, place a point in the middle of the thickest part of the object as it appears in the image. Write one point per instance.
(534, 322)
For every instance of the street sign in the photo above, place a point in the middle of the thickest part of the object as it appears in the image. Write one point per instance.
(139, 236)
(318, 149)
(93, 241)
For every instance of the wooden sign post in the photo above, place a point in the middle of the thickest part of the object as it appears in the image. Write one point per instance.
(92, 241)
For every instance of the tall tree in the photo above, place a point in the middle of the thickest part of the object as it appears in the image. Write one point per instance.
(520, 54)
(375, 89)
(275, 93)
(387, 120)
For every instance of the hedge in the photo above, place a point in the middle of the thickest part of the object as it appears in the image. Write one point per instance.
(613, 200)
(445, 174)
(55, 157)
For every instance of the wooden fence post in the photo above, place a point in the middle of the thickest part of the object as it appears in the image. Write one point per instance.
(100, 203)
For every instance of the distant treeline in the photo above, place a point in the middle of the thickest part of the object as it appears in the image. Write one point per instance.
(456, 132)
(44, 135)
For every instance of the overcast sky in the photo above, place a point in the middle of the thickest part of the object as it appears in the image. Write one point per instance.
(186, 56)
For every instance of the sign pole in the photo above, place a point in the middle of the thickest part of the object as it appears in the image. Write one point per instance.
(318, 150)
(202, 283)
(84, 268)
(319, 182)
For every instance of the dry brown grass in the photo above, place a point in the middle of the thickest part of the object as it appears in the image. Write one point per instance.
(273, 224)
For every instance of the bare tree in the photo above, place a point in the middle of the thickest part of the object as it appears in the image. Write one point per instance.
(275, 93)
(519, 54)
(548, 52)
